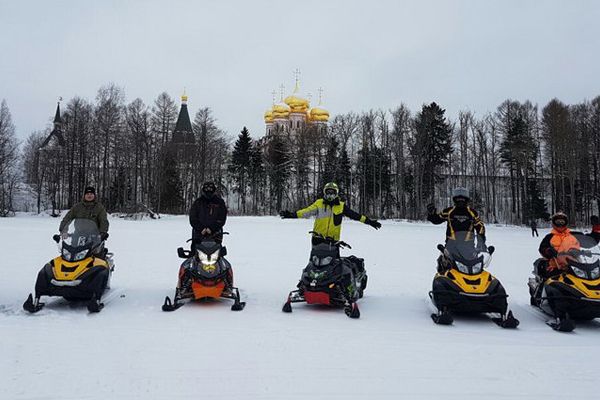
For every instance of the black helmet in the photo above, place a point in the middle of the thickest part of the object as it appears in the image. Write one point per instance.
(460, 196)
(560, 220)
(208, 189)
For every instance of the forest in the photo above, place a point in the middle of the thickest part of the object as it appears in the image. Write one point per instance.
(519, 162)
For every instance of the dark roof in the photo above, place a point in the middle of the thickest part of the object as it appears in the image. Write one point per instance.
(57, 118)
(183, 132)
(55, 133)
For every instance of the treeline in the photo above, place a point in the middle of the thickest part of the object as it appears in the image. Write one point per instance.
(519, 163)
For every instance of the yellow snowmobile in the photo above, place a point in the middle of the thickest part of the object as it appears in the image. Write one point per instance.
(462, 284)
(82, 271)
(573, 293)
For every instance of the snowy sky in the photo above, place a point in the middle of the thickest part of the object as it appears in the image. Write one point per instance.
(230, 55)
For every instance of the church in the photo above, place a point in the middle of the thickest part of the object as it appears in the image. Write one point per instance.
(293, 113)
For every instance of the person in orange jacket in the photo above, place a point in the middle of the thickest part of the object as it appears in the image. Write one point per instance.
(559, 240)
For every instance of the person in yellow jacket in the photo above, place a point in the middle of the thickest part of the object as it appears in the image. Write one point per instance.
(329, 212)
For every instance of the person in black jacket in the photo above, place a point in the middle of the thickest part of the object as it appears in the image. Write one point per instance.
(459, 218)
(208, 215)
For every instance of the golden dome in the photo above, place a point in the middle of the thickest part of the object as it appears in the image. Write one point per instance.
(281, 110)
(269, 115)
(297, 103)
(319, 114)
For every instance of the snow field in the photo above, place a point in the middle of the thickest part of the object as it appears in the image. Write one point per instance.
(133, 350)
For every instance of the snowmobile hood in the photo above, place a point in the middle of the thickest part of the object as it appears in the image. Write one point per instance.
(469, 284)
(589, 289)
(63, 270)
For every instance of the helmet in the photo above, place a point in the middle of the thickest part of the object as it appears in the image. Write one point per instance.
(208, 189)
(331, 191)
(460, 192)
(560, 220)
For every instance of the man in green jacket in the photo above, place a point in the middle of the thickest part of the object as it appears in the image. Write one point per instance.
(89, 208)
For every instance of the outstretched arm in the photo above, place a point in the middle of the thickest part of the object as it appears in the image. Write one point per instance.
(348, 212)
(308, 211)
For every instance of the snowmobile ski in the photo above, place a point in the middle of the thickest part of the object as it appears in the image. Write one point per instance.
(94, 305)
(170, 306)
(442, 318)
(507, 321)
(352, 310)
(565, 324)
(32, 305)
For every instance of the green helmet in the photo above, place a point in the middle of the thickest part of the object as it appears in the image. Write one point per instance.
(331, 191)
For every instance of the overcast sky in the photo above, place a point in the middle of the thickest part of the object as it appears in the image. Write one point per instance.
(230, 55)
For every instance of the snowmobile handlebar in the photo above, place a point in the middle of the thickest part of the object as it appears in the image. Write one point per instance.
(213, 235)
(338, 243)
(490, 249)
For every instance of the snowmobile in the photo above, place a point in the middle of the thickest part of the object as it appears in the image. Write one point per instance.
(573, 293)
(205, 274)
(82, 272)
(330, 279)
(462, 285)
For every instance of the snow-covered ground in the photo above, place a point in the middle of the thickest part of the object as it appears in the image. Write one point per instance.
(133, 350)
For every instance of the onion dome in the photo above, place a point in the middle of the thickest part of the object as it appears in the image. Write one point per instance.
(297, 103)
(281, 111)
(269, 115)
(319, 114)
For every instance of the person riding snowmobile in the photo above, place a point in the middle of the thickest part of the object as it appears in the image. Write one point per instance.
(329, 212)
(208, 215)
(459, 218)
(89, 208)
(559, 240)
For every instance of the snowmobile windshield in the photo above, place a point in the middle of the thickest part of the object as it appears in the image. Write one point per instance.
(585, 260)
(79, 238)
(468, 256)
(323, 254)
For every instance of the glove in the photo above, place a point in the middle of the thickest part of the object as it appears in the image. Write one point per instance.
(103, 236)
(287, 214)
(56, 238)
(430, 208)
(550, 253)
(374, 223)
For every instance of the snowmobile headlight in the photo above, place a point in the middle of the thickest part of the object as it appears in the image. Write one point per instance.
(579, 272)
(595, 273)
(208, 259)
(66, 254)
(80, 256)
(477, 268)
(462, 267)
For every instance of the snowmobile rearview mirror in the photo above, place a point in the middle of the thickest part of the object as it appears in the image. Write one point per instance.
(182, 253)
(440, 247)
(491, 250)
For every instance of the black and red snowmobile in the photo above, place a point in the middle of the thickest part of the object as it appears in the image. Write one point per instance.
(82, 271)
(205, 274)
(330, 279)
